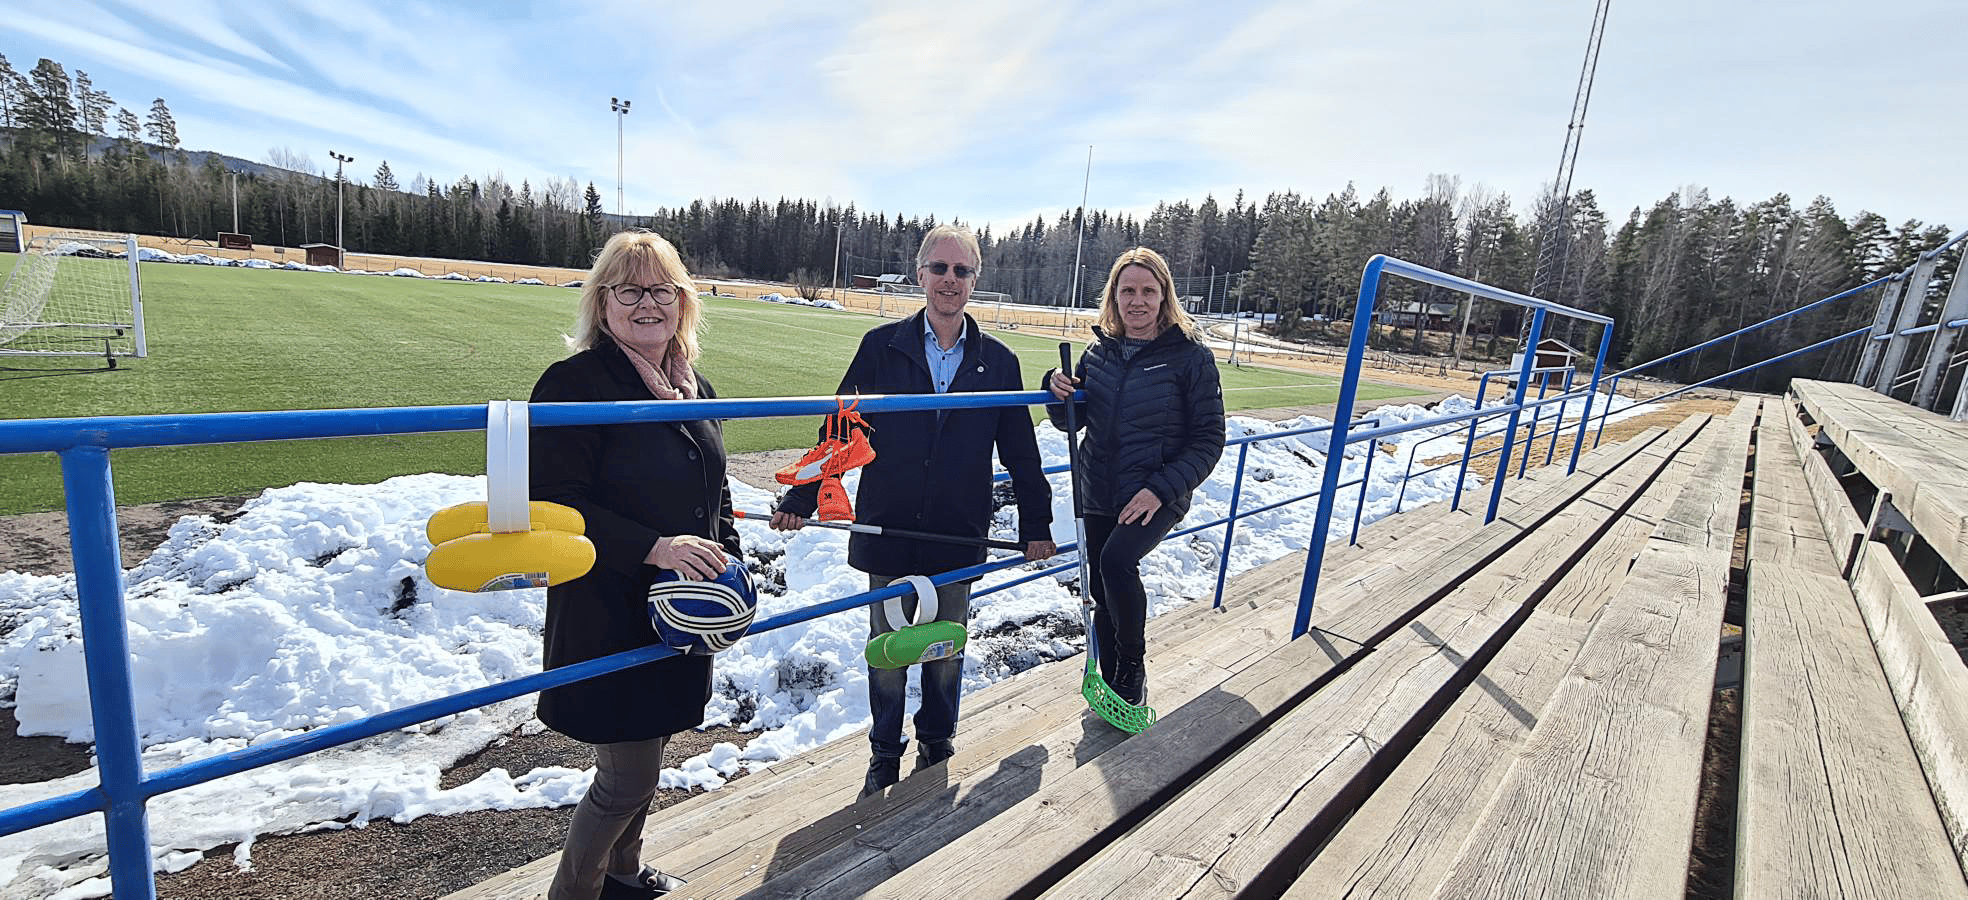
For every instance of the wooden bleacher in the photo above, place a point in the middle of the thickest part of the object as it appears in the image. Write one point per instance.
(1515, 709)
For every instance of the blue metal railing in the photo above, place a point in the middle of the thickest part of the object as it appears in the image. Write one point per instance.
(83, 445)
(1370, 282)
(1614, 379)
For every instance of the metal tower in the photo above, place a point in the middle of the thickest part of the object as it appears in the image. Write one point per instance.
(1554, 242)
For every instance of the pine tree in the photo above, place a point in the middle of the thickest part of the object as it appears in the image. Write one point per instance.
(50, 106)
(127, 126)
(385, 179)
(593, 209)
(92, 106)
(163, 129)
(13, 92)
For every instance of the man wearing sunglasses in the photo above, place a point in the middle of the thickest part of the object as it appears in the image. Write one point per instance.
(932, 472)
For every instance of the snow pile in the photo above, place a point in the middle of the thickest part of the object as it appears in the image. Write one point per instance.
(776, 297)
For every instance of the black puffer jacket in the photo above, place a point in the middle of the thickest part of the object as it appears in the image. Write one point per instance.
(633, 483)
(1154, 421)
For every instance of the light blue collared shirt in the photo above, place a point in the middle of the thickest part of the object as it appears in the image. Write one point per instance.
(943, 363)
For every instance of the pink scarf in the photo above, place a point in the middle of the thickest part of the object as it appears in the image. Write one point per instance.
(674, 380)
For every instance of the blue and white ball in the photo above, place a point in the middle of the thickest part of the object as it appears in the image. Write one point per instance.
(702, 616)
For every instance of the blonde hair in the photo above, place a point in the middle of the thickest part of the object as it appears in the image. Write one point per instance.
(963, 236)
(1171, 313)
(637, 256)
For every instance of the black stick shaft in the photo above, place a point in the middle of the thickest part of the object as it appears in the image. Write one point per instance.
(1079, 511)
(899, 532)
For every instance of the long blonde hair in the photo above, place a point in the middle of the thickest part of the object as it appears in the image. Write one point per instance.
(637, 255)
(1171, 313)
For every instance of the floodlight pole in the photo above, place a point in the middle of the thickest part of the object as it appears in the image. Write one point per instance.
(621, 109)
(341, 252)
(235, 201)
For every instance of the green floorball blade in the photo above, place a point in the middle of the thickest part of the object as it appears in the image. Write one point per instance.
(1109, 706)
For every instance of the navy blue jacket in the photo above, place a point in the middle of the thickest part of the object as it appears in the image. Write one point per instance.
(633, 484)
(932, 470)
(1154, 421)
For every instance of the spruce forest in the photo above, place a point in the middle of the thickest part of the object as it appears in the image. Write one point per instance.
(1688, 268)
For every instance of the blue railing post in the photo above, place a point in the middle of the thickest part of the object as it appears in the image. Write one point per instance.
(1612, 390)
(1349, 384)
(1469, 444)
(91, 500)
(1537, 416)
(1516, 412)
(1591, 394)
(1558, 425)
(1230, 527)
(1366, 478)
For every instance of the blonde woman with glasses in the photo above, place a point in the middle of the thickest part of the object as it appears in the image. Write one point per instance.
(654, 497)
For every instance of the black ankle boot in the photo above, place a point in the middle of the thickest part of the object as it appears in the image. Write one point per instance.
(929, 753)
(1131, 682)
(882, 773)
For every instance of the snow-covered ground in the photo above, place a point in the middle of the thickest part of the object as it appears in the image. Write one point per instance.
(311, 609)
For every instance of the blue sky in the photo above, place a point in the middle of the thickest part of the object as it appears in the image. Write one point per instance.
(984, 112)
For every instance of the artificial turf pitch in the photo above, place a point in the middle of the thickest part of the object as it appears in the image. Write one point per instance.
(224, 339)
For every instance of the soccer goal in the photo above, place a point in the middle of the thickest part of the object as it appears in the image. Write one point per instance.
(73, 295)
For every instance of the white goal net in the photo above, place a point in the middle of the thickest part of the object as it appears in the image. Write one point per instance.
(73, 295)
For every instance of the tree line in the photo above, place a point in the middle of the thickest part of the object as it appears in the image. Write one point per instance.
(1685, 269)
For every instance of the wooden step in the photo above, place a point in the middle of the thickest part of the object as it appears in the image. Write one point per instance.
(1599, 802)
(1833, 802)
(1016, 736)
(1045, 836)
(1402, 840)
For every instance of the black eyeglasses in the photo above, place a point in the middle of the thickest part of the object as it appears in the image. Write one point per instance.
(943, 268)
(632, 294)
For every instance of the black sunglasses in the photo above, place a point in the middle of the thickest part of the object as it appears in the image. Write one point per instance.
(943, 268)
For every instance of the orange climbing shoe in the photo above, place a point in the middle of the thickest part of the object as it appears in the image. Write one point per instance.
(844, 448)
(834, 505)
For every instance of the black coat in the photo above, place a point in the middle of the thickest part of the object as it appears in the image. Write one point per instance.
(633, 484)
(932, 470)
(1154, 421)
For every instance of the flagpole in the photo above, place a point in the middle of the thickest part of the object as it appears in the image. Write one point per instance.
(1079, 247)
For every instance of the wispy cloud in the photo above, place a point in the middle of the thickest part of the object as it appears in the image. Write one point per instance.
(985, 112)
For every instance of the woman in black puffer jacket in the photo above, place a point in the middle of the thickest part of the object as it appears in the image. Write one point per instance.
(1154, 430)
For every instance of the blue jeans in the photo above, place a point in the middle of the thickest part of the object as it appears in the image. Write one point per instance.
(942, 681)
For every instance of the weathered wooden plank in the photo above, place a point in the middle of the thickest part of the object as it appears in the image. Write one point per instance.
(1401, 841)
(1244, 826)
(1600, 803)
(1841, 523)
(1832, 801)
(1708, 518)
(1915, 455)
(1929, 682)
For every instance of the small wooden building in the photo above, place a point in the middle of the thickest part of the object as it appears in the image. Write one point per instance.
(323, 255)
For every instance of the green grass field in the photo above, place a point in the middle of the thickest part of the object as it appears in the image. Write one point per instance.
(242, 339)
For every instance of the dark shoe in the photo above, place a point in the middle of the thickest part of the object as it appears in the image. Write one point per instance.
(929, 753)
(653, 884)
(1131, 682)
(882, 773)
